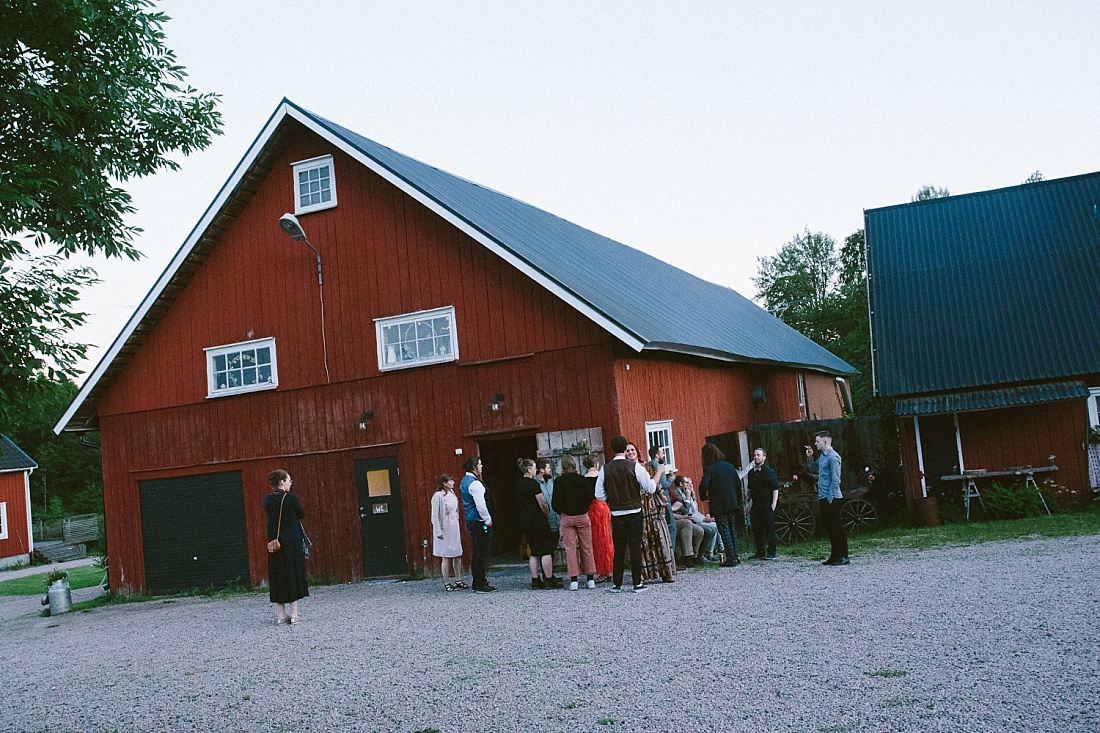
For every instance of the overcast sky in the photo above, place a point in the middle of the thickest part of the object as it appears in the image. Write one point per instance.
(707, 134)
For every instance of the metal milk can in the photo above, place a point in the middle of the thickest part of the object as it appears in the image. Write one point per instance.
(59, 597)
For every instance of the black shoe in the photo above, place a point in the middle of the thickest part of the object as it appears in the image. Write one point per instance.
(485, 589)
(731, 563)
(830, 561)
(769, 557)
(537, 584)
(843, 561)
(554, 582)
(757, 557)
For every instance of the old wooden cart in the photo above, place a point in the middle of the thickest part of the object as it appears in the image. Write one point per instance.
(863, 448)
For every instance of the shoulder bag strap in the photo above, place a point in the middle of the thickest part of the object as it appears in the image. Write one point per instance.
(279, 526)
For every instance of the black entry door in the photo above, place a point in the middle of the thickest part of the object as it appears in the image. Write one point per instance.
(381, 523)
(940, 451)
(193, 530)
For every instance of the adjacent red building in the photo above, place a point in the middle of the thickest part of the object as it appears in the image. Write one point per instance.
(424, 318)
(983, 311)
(16, 534)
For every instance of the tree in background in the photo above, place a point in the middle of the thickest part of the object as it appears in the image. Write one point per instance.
(91, 98)
(821, 291)
(68, 478)
(1034, 177)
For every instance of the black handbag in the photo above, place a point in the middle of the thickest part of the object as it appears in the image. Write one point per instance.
(306, 541)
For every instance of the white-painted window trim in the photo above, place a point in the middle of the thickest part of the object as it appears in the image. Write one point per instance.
(3, 520)
(802, 401)
(402, 348)
(246, 369)
(319, 186)
(1094, 407)
(653, 431)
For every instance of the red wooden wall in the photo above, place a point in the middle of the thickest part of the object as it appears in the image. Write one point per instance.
(700, 397)
(1016, 436)
(13, 491)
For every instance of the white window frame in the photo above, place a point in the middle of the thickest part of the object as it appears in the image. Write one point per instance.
(1094, 407)
(3, 520)
(657, 426)
(214, 351)
(803, 401)
(387, 357)
(305, 166)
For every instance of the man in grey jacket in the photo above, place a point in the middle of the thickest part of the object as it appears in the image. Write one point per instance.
(829, 498)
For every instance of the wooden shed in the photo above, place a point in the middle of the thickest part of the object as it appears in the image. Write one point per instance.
(424, 318)
(16, 534)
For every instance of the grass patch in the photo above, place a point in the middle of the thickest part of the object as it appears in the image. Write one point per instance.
(83, 576)
(1070, 524)
(887, 673)
(606, 721)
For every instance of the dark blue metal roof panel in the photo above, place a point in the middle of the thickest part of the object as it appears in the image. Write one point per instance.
(997, 287)
(990, 399)
(12, 457)
(617, 281)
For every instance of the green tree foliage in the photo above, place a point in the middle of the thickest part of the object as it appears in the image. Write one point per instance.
(929, 191)
(1034, 177)
(91, 97)
(69, 478)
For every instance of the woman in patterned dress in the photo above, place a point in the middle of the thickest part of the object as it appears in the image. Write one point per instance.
(657, 558)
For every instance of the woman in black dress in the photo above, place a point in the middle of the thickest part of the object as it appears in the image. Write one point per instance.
(534, 518)
(286, 567)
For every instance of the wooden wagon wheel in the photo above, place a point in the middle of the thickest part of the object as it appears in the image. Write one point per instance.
(858, 515)
(793, 523)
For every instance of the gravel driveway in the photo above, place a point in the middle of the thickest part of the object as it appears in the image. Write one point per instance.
(996, 637)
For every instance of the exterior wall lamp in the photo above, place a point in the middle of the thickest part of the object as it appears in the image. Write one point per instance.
(497, 401)
(365, 418)
(293, 229)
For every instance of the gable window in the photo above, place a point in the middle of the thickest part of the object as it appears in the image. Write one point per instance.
(3, 520)
(314, 185)
(659, 434)
(245, 367)
(415, 339)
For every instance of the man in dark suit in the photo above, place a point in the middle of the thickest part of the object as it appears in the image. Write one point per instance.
(763, 493)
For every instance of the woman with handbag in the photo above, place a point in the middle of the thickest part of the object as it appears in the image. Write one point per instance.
(286, 564)
(447, 542)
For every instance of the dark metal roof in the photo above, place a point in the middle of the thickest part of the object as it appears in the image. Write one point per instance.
(690, 316)
(989, 399)
(12, 457)
(990, 288)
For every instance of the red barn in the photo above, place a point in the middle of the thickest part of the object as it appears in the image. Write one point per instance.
(16, 535)
(983, 311)
(424, 318)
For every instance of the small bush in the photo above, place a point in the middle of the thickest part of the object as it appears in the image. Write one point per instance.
(1011, 502)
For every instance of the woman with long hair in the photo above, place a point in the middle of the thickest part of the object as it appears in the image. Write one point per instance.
(603, 547)
(657, 558)
(534, 518)
(721, 486)
(287, 578)
(447, 539)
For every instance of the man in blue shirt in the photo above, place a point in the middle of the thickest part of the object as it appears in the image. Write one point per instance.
(829, 498)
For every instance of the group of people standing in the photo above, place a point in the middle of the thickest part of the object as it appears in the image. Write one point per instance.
(626, 509)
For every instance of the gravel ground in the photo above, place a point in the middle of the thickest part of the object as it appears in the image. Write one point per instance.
(996, 637)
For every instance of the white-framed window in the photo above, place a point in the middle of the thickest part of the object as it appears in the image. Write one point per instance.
(3, 520)
(802, 393)
(1094, 407)
(659, 433)
(416, 339)
(248, 366)
(314, 185)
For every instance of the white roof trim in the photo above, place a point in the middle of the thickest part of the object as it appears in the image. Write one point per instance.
(286, 109)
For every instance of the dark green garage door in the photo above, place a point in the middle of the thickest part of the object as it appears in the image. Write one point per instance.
(194, 532)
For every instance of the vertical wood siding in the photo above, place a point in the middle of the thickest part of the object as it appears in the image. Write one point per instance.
(13, 491)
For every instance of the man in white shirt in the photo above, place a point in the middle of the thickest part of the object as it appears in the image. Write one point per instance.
(621, 484)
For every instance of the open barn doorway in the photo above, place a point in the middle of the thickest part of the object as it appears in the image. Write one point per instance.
(499, 474)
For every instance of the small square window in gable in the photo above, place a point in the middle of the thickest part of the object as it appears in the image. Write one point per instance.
(314, 185)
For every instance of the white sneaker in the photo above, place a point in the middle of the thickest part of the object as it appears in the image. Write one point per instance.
(591, 585)
(573, 585)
